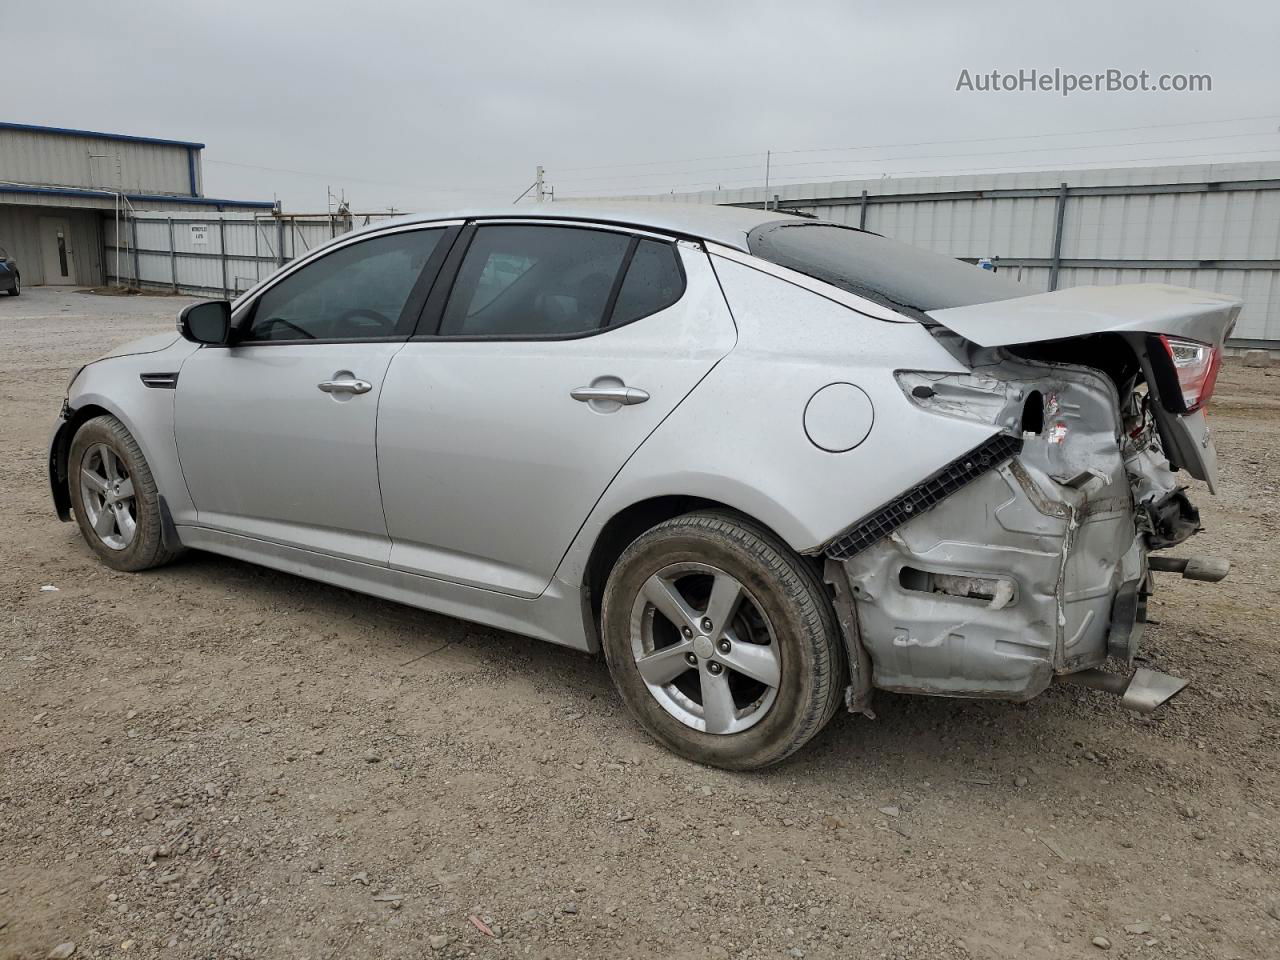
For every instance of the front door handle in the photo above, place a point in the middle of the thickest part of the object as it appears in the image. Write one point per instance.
(345, 386)
(619, 394)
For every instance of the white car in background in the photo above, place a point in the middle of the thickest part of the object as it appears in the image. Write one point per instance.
(766, 463)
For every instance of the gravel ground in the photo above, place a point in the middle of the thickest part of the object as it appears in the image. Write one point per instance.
(215, 760)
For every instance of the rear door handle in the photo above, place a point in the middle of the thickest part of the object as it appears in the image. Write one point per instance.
(623, 395)
(345, 386)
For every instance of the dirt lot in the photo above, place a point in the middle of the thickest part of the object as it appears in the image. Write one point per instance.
(214, 760)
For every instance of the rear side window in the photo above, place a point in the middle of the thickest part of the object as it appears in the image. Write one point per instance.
(524, 280)
(654, 282)
(882, 270)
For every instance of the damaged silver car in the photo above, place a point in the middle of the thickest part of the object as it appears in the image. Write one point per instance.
(767, 464)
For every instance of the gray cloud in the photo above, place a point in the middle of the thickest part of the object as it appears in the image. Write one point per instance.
(428, 104)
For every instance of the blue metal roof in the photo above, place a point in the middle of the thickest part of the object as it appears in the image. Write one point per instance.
(150, 197)
(124, 137)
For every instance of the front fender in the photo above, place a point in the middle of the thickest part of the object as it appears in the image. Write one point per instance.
(114, 386)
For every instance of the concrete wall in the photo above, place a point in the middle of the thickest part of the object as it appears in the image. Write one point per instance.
(20, 237)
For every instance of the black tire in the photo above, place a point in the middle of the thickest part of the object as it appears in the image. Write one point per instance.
(16, 291)
(786, 591)
(146, 549)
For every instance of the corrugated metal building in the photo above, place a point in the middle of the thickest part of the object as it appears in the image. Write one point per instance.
(1211, 226)
(61, 191)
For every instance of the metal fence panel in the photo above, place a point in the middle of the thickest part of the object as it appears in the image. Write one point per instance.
(216, 254)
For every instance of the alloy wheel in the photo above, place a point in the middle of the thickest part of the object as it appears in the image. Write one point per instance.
(106, 490)
(705, 649)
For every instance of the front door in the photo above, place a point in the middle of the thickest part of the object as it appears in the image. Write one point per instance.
(559, 351)
(56, 254)
(276, 432)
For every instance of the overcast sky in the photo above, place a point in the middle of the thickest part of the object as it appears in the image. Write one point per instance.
(422, 104)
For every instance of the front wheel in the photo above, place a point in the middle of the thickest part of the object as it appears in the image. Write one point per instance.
(721, 641)
(16, 290)
(114, 497)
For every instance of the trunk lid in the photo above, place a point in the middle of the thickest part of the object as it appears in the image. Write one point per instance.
(1142, 313)
(1081, 311)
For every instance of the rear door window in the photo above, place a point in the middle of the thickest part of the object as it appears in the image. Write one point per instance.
(527, 280)
(654, 282)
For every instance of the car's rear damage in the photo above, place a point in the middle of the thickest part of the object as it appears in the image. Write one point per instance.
(1027, 559)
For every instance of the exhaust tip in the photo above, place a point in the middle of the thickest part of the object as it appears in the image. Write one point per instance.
(1208, 569)
(1144, 691)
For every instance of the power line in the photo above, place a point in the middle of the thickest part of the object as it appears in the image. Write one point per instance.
(934, 156)
(920, 143)
(988, 168)
(476, 188)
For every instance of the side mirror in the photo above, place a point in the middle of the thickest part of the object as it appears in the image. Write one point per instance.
(206, 322)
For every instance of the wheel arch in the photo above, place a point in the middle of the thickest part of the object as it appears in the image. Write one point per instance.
(60, 452)
(628, 523)
(87, 406)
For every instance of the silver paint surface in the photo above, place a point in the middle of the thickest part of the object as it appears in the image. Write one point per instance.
(469, 481)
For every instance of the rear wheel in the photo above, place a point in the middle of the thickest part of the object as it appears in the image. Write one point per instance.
(16, 290)
(721, 641)
(114, 497)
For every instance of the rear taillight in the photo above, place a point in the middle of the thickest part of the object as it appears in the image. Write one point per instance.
(1196, 366)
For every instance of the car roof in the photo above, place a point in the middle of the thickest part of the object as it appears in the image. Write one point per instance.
(703, 221)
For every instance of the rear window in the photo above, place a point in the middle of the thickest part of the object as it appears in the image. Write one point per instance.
(883, 270)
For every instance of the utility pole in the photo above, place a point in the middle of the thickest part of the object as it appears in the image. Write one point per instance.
(539, 188)
(766, 178)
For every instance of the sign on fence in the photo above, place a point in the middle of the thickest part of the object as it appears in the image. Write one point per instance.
(200, 234)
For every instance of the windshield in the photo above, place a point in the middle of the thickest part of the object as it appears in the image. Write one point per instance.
(877, 268)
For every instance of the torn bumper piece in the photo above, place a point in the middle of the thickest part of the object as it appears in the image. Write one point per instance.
(1014, 579)
(1144, 690)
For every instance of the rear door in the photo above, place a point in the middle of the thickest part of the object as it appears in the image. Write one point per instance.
(557, 350)
(276, 433)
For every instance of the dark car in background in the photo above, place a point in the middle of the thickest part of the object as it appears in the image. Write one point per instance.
(10, 277)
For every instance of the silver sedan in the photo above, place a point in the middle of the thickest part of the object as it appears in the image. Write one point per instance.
(767, 464)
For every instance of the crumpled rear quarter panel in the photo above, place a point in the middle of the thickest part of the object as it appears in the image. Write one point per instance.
(1055, 523)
